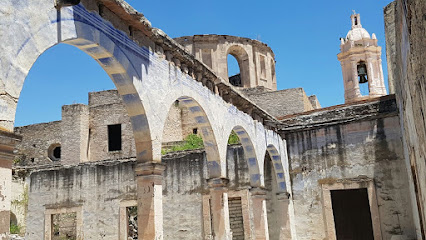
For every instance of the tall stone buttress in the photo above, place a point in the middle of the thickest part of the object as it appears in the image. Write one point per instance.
(361, 62)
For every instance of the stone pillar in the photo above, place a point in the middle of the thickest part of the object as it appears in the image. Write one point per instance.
(260, 220)
(219, 209)
(283, 205)
(7, 144)
(150, 200)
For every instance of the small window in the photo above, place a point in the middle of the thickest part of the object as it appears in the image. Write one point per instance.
(194, 130)
(114, 137)
(54, 152)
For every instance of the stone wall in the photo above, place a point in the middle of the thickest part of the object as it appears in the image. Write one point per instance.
(37, 139)
(91, 139)
(323, 152)
(283, 102)
(100, 188)
(109, 113)
(405, 32)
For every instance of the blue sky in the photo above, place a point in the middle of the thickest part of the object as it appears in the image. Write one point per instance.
(304, 36)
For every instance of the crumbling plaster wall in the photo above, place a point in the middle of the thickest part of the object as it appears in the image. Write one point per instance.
(19, 197)
(99, 187)
(323, 155)
(405, 34)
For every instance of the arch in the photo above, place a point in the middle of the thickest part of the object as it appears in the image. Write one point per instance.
(201, 121)
(91, 34)
(243, 62)
(278, 167)
(249, 155)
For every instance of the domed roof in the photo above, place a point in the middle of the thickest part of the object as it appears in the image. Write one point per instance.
(357, 33)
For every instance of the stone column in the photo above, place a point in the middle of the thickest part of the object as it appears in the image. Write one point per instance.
(150, 200)
(219, 209)
(7, 144)
(356, 90)
(260, 220)
(283, 204)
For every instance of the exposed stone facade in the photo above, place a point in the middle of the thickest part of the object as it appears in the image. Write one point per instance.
(284, 102)
(344, 145)
(164, 93)
(255, 59)
(405, 36)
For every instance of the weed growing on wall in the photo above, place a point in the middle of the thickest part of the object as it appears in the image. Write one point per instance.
(233, 138)
(192, 141)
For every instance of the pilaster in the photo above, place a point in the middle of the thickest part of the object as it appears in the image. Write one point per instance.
(260, 220)
(219, 208)
(7, 145)
(150, 200)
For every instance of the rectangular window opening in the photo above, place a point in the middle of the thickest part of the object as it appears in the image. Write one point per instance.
(352, 216)
(195, 131)
(114, 137)
(236, 218)
(64, 226)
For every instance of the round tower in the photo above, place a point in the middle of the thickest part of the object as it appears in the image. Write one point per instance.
(360, 58)
(255, 59)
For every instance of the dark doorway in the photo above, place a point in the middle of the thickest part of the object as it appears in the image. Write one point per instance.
(352, 217)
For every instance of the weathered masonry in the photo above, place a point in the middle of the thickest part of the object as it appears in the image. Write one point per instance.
(144, 64)
(297, 171)
(405, 48)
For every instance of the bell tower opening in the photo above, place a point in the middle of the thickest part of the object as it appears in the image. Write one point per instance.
(363, 78)
(234, 73)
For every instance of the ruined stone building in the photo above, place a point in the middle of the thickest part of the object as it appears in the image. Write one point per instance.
(110, 169)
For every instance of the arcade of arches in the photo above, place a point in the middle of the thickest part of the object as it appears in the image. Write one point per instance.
(181, 150)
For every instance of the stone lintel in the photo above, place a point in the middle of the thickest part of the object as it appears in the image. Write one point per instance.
(218, 182)
(259, 192)
(150, 168)
(283, 196)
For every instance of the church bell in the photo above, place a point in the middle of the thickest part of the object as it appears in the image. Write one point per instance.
(362, 73)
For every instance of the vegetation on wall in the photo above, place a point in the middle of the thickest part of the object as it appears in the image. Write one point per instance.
(192, 141)
(14, 228)
(233, 138)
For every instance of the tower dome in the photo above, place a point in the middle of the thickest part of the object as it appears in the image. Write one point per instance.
(357, 34)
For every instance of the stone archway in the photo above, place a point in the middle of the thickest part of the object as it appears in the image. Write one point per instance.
(110, 48)
(243, 62)
(278, 199)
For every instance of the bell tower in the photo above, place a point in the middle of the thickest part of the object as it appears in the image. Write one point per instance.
(360, 58)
